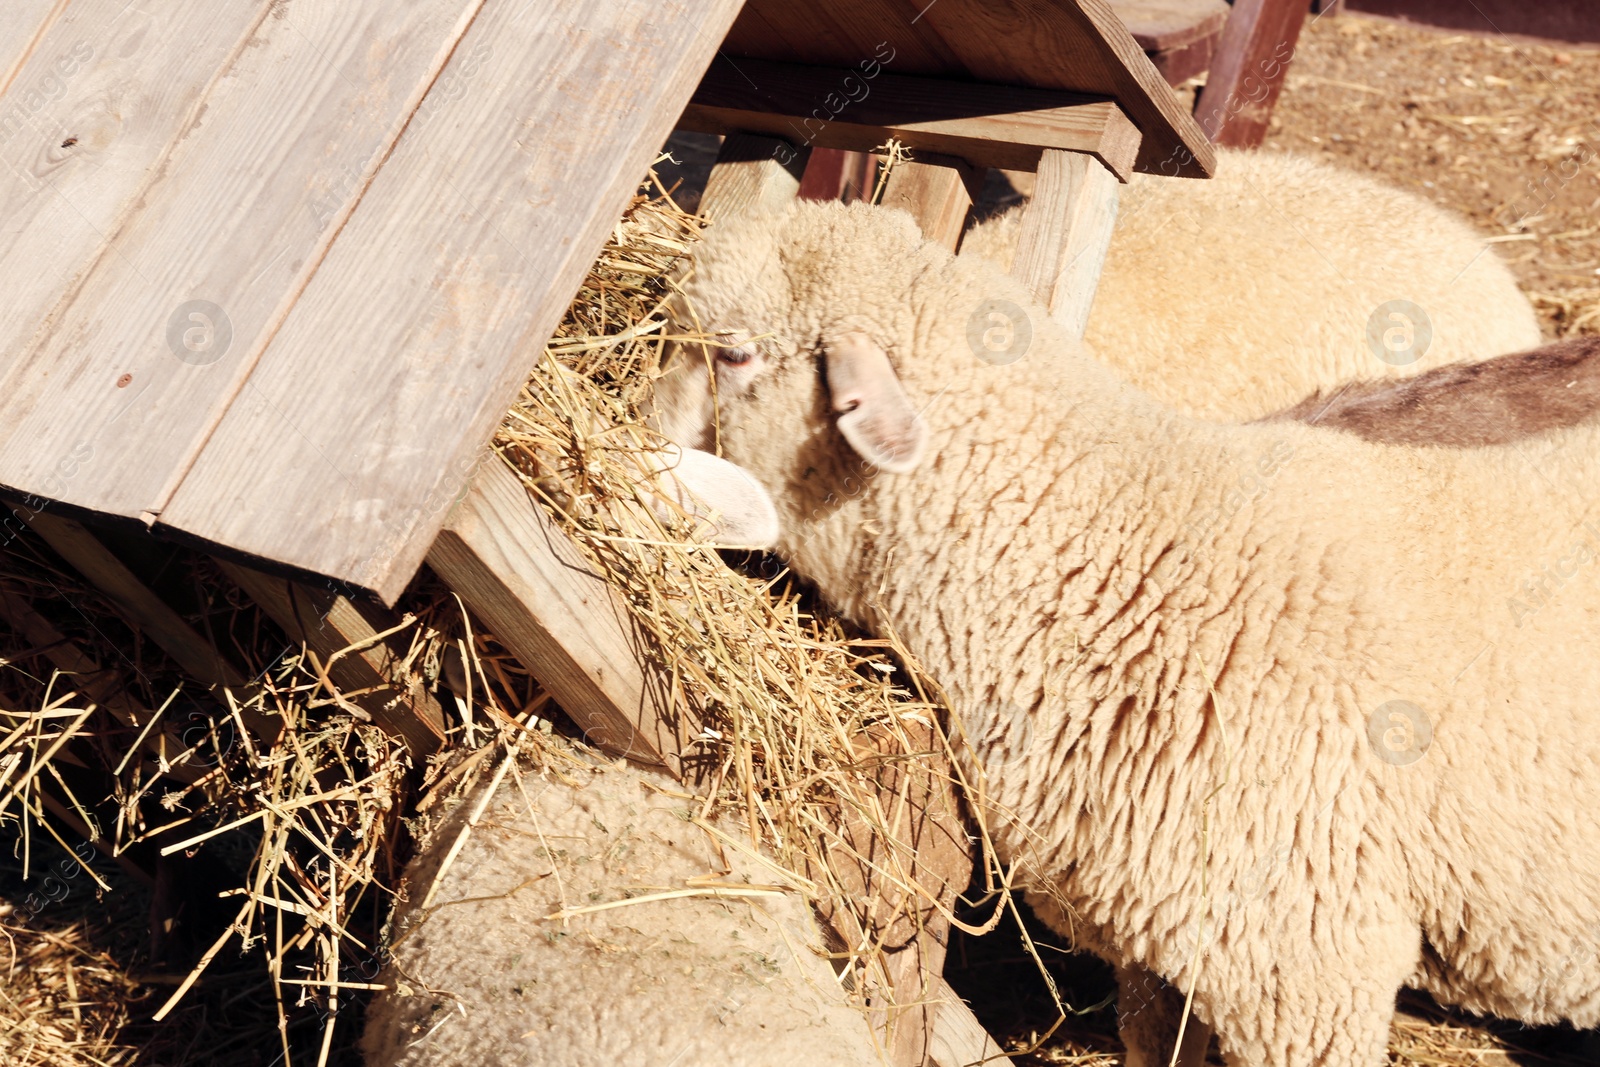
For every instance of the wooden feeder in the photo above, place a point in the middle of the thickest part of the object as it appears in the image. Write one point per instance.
(276, 271)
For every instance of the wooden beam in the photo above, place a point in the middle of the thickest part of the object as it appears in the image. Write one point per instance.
(834, 174)
(329, 624)
(1252, 58)
(142, 609)
(531, 586)
(1066, 230)
(753, 174)
(105, 686)
(959, 1039)
(938, 191)
(987, 125)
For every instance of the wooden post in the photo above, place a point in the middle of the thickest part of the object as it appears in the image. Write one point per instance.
(938, 191)
(834, 174)
(530, 584)
(1066, 230)
(753, 173)
(1257, 44)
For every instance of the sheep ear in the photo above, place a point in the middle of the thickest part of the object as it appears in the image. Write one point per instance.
(736, 511)
(875, 415)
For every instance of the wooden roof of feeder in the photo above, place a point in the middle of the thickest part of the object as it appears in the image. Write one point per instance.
(274, 271)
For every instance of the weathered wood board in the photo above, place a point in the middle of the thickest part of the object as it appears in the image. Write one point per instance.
(148, 345)
(987, 125)
(22, 23)
(377, 392)
(1074, 45)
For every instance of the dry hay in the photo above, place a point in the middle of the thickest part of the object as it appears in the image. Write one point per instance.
(258, 861)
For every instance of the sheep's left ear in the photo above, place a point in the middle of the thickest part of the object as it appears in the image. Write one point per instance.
(876, 416)
(736, 510)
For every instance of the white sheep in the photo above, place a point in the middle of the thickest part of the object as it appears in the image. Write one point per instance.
(478, 974)
(1230, 298)
(1280, 715)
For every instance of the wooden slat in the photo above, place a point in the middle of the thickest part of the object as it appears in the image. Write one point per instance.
(1248, 70)
(988, 125)
(753, 174)
(328, 624)
(280, 130)
(148, 613)
(106, 686)
(1163, 25)
(959, 1040)
(139, 606)
(834, 174)
(531, 586)
(22, 25)
(1066, 231)
(938, 191)
(1073, 45)
(386, 379)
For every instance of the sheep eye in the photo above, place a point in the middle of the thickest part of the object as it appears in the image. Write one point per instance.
(735, 357)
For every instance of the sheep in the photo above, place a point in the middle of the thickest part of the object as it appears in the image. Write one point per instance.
(1467, 405)
(1235, 297)
(477, 972)
(1281, 717)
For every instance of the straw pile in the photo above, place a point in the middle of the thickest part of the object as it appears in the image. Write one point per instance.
(247, 838)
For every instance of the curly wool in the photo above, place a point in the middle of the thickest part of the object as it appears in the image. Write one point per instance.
(1320, 707)
(481, 977)
(1232, 298)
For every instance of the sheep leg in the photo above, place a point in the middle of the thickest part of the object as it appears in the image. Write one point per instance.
(1149, 1016)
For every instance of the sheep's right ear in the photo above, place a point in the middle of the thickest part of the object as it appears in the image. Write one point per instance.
(876, 416)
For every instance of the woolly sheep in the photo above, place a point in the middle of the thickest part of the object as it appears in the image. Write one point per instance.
(1283, 716)
(1467, 405)
(1231, 298)
(479, 977)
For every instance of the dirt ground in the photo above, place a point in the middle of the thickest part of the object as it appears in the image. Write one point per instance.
(1504, 131)
(1507, 133)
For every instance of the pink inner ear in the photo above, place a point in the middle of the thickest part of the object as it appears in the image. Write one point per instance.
(877, 418)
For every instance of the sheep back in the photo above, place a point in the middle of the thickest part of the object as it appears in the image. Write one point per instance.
(482, 977)
(1232, 298)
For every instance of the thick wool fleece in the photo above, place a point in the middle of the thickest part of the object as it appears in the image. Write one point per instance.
(1279, 713)
(481, 979)
(1232, 298)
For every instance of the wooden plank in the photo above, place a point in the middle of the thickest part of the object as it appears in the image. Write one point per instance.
(103, 685)
(753, 174)
(833, 174)
(1164, 25)
(938, 191)
(1066, 230)
(959, 1040)
(988, 125)
(22, 24)
(385, 380)
(152, 616)
(139, 606)
(155, 327)
(328, 624)
(1072, 45)
(529, 583)
(1247, 72)
(1181, 64)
